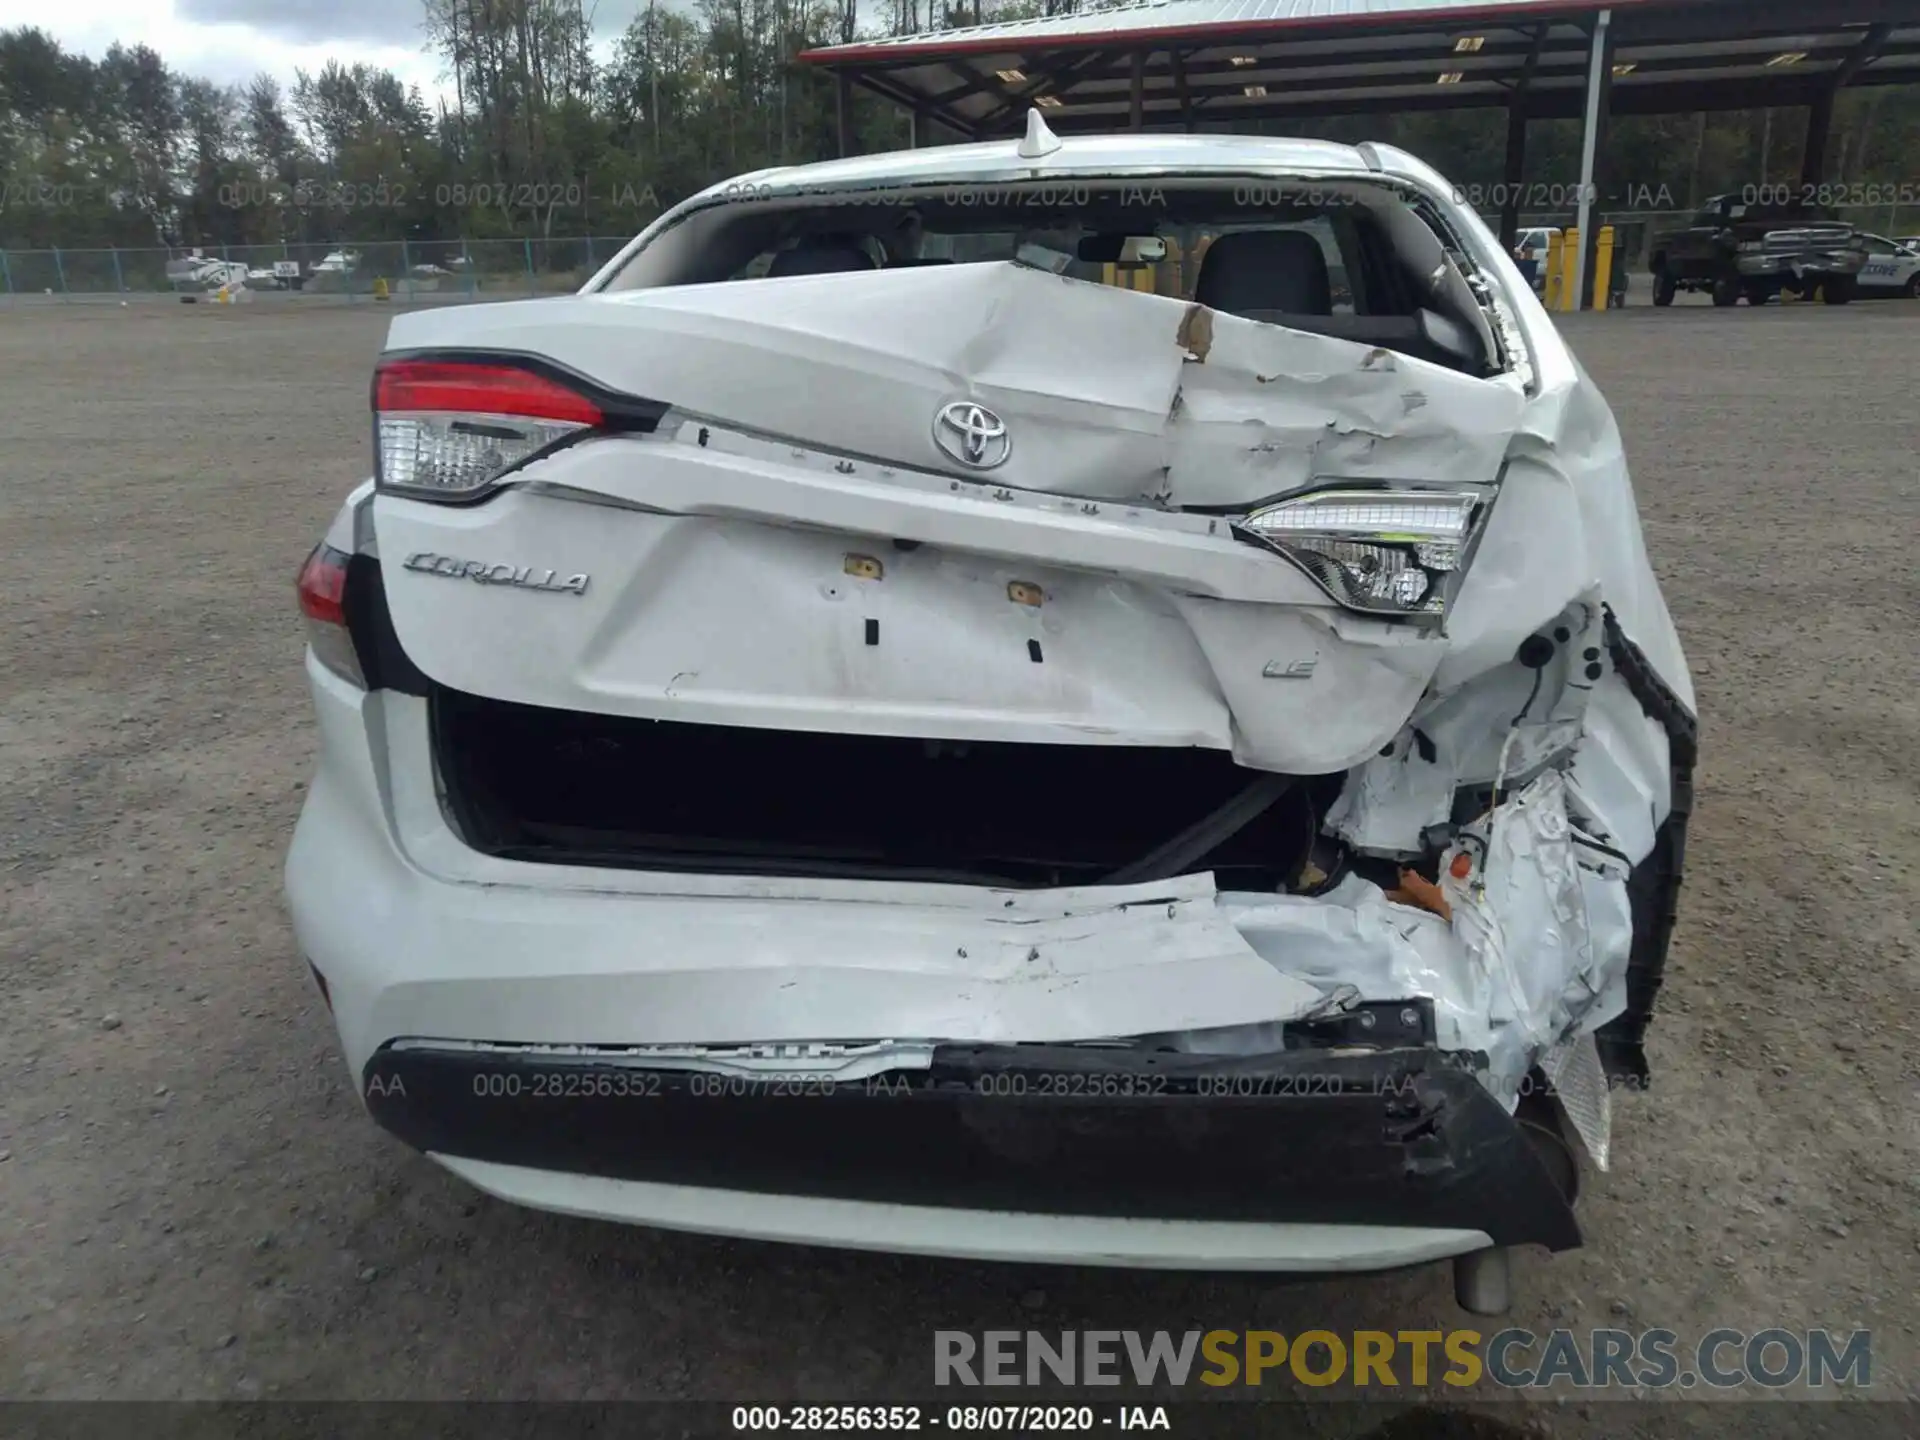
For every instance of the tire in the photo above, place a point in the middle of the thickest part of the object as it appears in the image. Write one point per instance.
(1912, 292)
(1758, 295)
(1838, 289)
(1666, 286)
(1726, 292)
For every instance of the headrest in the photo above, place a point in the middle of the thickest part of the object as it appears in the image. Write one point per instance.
(1277, 270)
(820, 259)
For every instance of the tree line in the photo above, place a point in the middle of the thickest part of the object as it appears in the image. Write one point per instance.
(532, 136)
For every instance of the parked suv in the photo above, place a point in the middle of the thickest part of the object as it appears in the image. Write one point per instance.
(850, 730)
(1734, 249)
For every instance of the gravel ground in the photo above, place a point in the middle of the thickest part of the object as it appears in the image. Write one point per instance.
(193, 1206)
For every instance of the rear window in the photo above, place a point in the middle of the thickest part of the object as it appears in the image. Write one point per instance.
(1064, 248)
(939, 228)
(1355, 262)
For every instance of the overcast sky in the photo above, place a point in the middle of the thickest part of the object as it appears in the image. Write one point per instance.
(231, 41)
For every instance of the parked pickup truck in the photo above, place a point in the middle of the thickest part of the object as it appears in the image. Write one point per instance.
(1733, 249)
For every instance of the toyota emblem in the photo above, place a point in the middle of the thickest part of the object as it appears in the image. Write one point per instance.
(972, 434)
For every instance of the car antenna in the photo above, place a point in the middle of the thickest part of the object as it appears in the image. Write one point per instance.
(1039, 141)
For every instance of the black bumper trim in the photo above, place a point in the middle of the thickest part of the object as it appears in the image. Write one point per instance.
(1397, 1137)
(1653, 890)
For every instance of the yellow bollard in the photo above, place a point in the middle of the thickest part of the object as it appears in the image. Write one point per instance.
(1561, 250)
(380, 289)
(1563, 258)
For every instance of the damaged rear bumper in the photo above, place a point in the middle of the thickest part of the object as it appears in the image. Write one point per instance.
(1361, 1160)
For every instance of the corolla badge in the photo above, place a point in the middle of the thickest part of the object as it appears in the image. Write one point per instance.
(523, 577)
(972, 434)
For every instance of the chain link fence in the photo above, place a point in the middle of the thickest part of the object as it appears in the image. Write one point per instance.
(427, 271)
(415, 271)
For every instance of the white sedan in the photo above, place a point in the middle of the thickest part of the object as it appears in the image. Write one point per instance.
(850, 730)
(1893, 268)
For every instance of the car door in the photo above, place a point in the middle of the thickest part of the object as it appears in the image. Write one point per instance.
(1700, 250)
(1888, 267)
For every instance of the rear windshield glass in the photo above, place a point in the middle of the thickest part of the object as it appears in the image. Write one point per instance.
(1076, 230)
(1357, 263)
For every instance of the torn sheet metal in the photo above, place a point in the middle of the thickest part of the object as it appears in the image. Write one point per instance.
(1265, 409)
(989, 966)
(1535, 951)
(1544, 918)
(1580, 1084)
(1502, 727)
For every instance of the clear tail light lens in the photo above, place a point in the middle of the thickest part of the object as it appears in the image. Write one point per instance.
(449, 429)
(1387, 552)
(323, 600)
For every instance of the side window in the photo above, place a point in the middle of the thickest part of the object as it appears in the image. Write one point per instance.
(1877, 246)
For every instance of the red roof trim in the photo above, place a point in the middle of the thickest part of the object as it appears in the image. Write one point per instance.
(931, 47)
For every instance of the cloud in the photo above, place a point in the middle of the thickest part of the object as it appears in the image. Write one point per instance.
(233, 51)
(381, 22)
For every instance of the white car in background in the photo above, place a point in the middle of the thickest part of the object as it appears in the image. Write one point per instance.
(1530, 248)
(947, 755)
(1892, 268)
(195, 271)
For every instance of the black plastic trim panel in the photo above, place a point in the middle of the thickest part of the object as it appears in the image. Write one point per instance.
(1392, 1137)
(383, 662)
(1653, 889)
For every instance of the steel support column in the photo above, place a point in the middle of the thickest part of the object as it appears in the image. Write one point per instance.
(1813, 160)
(1599, 84)
(1137, 99)
(1515, 172)
(843, 111)
(1515, 175)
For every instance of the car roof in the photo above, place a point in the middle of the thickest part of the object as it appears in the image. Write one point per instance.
(1078, 155)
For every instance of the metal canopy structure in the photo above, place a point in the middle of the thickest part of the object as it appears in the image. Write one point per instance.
(1232, 64)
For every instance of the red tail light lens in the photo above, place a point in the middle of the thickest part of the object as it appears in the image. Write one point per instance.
(323, 585)
(323, 600)
(448, 429)
(457, 386)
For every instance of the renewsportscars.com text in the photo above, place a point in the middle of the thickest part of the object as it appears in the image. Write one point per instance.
(1513, 1359)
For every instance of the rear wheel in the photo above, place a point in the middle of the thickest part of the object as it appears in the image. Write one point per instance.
(1837, 289)
(1912, 292)
(1759, 294)
(1726, 291)
(1666, 286)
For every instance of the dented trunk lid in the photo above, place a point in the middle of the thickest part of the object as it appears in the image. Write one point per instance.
(794, 549)
(1105, 393)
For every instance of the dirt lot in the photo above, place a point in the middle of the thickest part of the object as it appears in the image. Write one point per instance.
(193, 1206)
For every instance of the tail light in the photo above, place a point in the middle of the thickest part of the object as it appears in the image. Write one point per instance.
(1386, 552)
(323, 600)
(449, 429)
